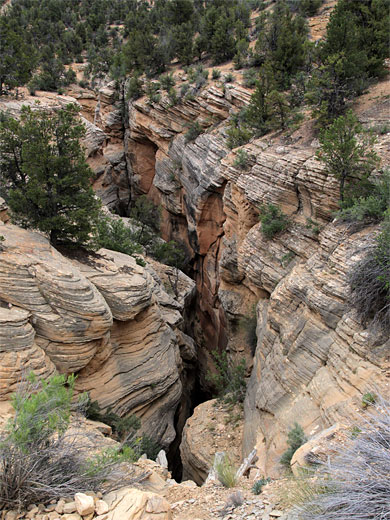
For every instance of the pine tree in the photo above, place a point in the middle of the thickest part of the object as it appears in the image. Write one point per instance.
(222, 44)
(348, 154)
(17, 58)
(45, 174)
(353, 52)
(258, 111)
(282, 42)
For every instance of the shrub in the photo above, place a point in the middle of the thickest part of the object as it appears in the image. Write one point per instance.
(38, 415)
(347, 153)
(184, 89)
(125, 430)
(273, 221)
(369, 282)
(113, 234)
(40, 459)
(226, 472)
(134, 89)
(200, 80)
(372, 207)
(173, 96)
(250, 77)
(148, 216)
(169, 253)
(238, 135)
(229, 380)
(167, 81)
(357, 479)
(368, 399)
(295, 439)
(152, 91)
(216, 74)
(228, 78)
(241, 159)
(259, 484)
(193, 131)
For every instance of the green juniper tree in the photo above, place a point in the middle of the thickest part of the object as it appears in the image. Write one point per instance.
(351, 55)
(347, 152)
(17, 58)
(46, 176)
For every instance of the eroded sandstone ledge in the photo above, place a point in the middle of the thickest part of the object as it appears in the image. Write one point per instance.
(100, 315)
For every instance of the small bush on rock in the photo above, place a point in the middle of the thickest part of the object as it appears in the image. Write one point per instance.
(193, 131)
(259, 484)
(125, 430)
(273, 221)
(113, 234)
(295, 439)
(229, 380)
(241, 159)
(369, 282)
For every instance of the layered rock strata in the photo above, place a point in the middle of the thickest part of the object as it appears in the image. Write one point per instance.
(313, 358)
(100, 315)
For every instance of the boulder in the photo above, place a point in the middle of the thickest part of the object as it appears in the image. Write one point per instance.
(85, 504)
(133, 504)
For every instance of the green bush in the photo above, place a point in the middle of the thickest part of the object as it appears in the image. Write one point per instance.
(370, 208)
(169, 253)
(134, 89)
(228, 78)
(193, 131)
(184, 89)
(125, 430)
(250, 77)
(216, 74)
(241, 160)
(273, 221)
(238, 135)
(167, 81)
(369, 282)
(347, 153)
(295, 438)
(41, 459)
(173, 98)
(259, 484)
(110, 455)
(229, 379)
(114, 235)
(368, 399)
(38, 415)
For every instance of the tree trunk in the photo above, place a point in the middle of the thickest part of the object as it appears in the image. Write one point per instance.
(54, 237)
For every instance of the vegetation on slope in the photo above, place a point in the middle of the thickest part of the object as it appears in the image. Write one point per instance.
(354, 485)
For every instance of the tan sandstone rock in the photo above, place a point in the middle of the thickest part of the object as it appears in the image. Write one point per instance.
(132, 504)
(85, 504)
(211, 429)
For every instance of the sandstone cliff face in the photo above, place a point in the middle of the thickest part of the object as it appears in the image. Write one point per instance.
(101, 316)
(313, 359)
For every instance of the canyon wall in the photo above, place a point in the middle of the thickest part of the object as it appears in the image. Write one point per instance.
(101, 316)
(121, 330)
(313, 359)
